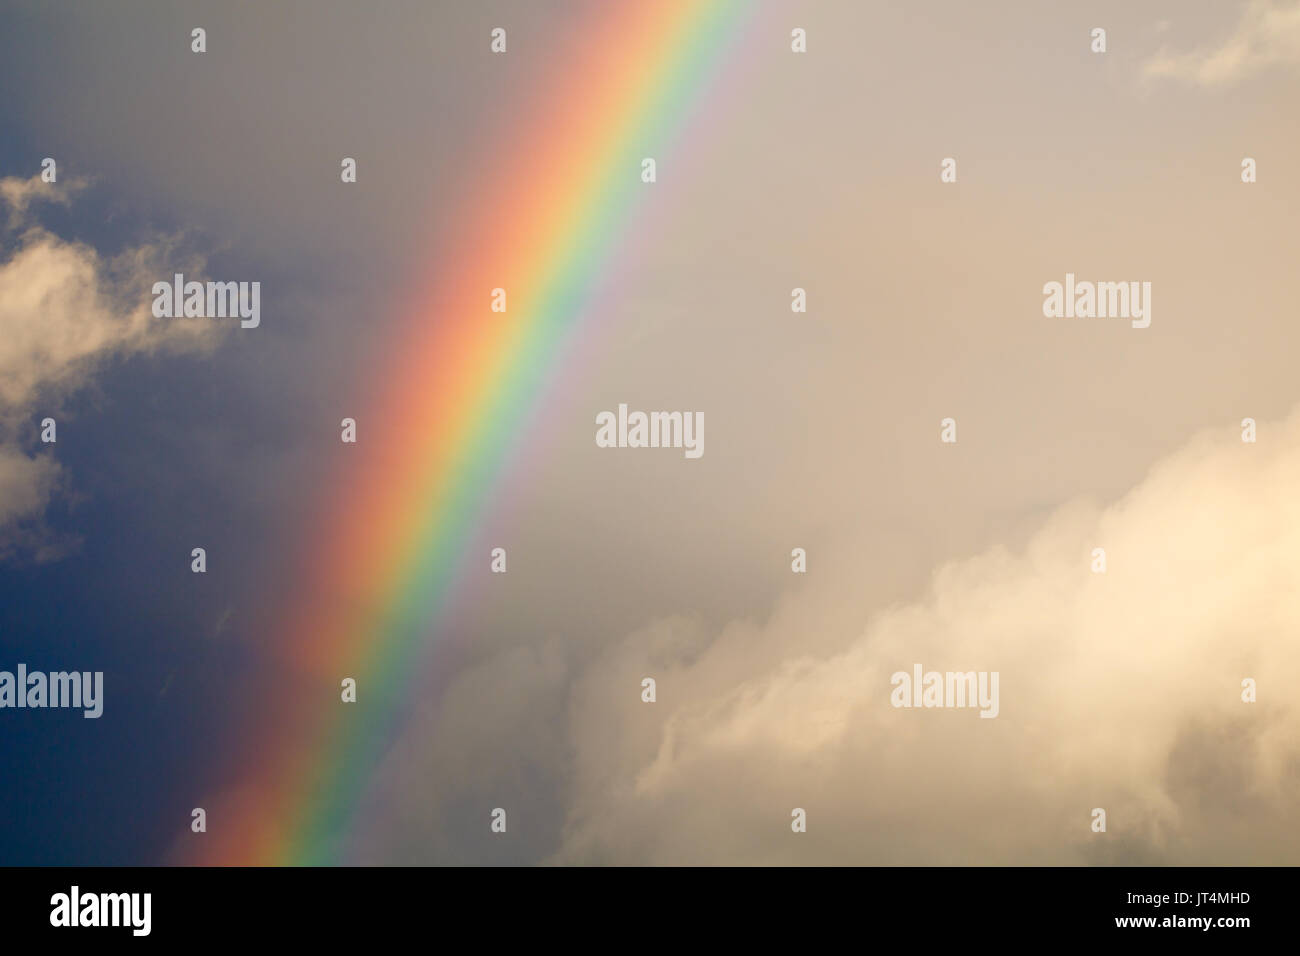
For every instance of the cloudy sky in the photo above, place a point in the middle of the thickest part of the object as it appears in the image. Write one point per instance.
(817, 170)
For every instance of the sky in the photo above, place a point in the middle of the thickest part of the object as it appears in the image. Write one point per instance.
(817, 170)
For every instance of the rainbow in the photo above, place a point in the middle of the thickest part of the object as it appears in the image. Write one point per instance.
(458, 385)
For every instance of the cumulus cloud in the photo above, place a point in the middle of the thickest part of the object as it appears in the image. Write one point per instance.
(65, 310)
(1119, 690)
(1268, 35)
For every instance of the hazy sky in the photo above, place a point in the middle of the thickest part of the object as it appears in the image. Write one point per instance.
(817, 170)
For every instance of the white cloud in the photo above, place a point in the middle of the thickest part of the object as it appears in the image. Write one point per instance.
(18, 194)
(26, 484)
(1267, 35)
(1118, 690)
(65, 310)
